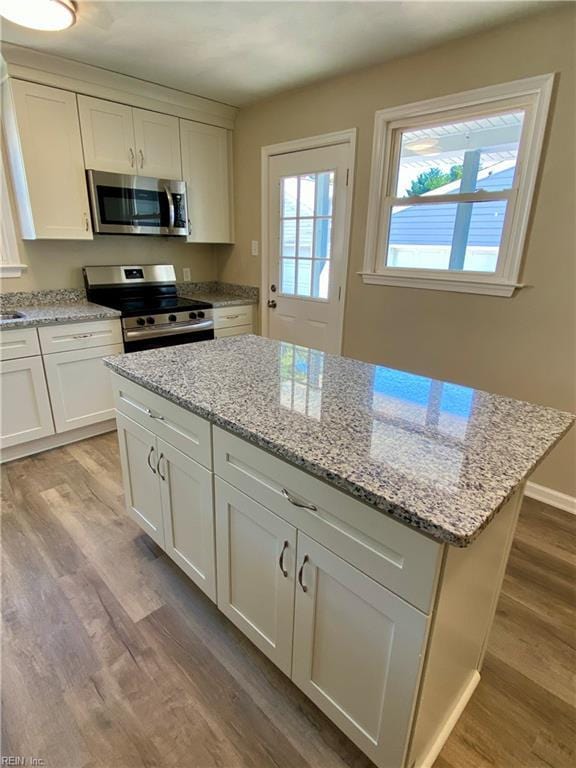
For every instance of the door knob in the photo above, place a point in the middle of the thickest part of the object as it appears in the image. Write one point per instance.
(272, 304)
(273, 288)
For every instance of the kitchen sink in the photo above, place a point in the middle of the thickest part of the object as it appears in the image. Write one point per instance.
(11, 315)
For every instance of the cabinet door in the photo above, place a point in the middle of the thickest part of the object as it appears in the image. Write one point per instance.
(107, 135)
(139, 457)
(188, 511)
(80, 386)
(206, 164)
(45, 152)
(357, 652)
(25, 407)
(157, 144)
(256, 568)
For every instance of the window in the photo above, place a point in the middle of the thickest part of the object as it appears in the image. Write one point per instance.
(451, 188)
(10, 265)
(306, 234)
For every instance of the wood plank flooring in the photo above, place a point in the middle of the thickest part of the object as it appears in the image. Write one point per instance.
(111, 658)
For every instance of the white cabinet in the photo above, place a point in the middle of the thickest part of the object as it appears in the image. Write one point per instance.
(107, 135)
(44, 148)
(79, 385)
(256, 572)
(233, 320)
(19, 342)
(170, 496)
(188, 514)
(206, 169)
(157, 144)
(123, 139)
(25, 411)
(358, 651)
(139, 470)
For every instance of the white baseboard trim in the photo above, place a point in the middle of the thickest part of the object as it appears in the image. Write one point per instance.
(428, 759)
(552, 497)
(55, 441)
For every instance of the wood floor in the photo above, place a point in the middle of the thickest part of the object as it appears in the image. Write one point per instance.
(112, 659)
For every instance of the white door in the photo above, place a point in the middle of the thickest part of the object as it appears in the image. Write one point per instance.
(357, 652)
(157, 144)
(307, 248)
(206, 163)
(80, 386)
(53, 198)
(256, 568)
(25, 412)
(139, 459)
(188, 511)
(107, 135)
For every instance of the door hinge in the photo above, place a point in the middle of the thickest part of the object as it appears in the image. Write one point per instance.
(347, 175)
(339, 292)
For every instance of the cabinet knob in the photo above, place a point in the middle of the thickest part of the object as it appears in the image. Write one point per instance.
(281, 560)
(132, 157)
(301, 573)
(141, 158)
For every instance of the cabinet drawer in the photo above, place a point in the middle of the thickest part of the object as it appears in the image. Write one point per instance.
(237, 330)
(182, 429)
(228, 317)
(19, 342)
(69, 336)
(403, 560)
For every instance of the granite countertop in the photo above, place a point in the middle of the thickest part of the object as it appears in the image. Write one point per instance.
(59, 312)
(219, 299)
(438, 456)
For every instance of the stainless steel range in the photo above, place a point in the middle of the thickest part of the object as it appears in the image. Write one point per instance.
(153, 315)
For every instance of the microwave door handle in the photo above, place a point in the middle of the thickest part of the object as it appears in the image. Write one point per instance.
(170, 207)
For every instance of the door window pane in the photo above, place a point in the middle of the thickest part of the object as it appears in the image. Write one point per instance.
(451, 236)
(306, 234)
(476, 154)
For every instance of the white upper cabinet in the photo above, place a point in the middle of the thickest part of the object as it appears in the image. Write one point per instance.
(123, 139)
(157, 144)
(107, 135)
(206, 169)
(44, 148)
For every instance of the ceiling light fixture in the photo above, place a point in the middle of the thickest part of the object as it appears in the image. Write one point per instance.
(420, 145)
(46, 15)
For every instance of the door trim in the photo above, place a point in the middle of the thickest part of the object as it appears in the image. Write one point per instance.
(284, 148)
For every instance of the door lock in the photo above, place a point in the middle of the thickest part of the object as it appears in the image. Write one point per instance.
(272, 304)
(273, 288)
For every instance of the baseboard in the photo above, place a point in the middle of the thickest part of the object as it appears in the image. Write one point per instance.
(55, 441)
(552, 497)
(429, 758)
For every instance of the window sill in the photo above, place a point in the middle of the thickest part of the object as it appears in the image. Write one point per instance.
(12, 270)
(443, 283)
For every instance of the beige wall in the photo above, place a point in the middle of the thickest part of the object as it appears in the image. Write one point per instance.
(58, 263)
(524, 346)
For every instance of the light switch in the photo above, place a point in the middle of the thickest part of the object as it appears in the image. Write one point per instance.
(186, 274)
(255, 248)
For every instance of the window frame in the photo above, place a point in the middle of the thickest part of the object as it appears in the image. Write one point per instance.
(532, 95)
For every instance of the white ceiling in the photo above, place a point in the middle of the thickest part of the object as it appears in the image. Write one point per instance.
(238, 52)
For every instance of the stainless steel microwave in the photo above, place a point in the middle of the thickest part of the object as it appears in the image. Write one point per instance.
(137, 205)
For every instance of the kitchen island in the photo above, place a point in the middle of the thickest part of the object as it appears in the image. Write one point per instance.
(353, 521)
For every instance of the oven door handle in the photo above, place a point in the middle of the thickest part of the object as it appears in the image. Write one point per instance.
(170, 207)
(132, 334)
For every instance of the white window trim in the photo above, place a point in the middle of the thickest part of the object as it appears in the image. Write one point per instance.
(10, 265)
(534, 95)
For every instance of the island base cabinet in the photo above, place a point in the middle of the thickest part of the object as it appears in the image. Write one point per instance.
(256, 572)
(187, 511)
(358, 652)
(25, 413)
(169, 495)
(138, 456)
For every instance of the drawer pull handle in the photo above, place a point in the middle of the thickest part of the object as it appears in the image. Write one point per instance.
(301, 504)
(150, 452)
(281, 560)
(301, 572)
(83, 335)
(148, 412)
(162, 477)
(231, 317)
